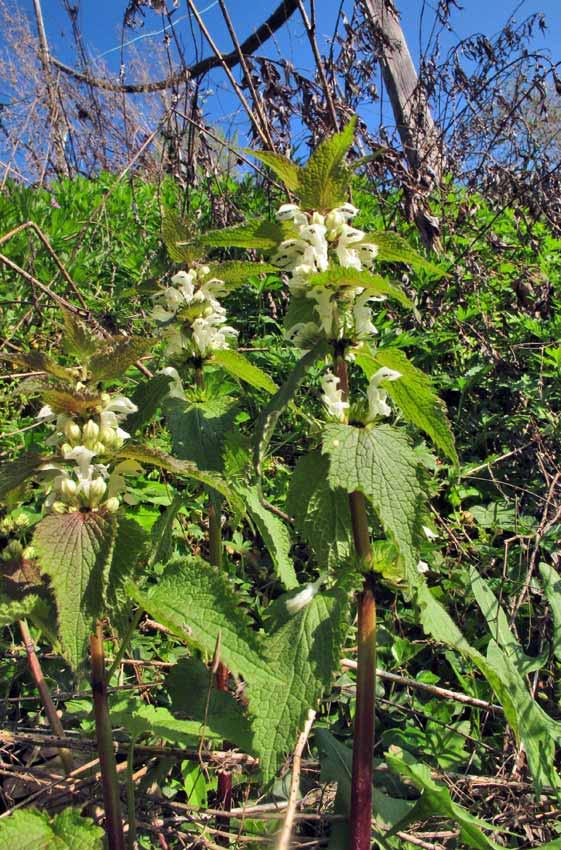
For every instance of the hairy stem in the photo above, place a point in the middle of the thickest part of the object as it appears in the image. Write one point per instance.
(44, 693)
(363, 738)
(104, 738)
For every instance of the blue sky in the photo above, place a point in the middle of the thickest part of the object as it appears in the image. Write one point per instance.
(100, 22)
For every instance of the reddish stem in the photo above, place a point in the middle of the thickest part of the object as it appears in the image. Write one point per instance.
(363, 739)
(104, 738)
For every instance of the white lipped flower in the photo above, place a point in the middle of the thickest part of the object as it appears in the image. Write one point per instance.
(206, 331)
(377, 405)
(333, 397)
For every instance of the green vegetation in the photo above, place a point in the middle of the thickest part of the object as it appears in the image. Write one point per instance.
(216, 562)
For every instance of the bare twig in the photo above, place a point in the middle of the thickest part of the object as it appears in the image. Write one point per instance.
(286, 832)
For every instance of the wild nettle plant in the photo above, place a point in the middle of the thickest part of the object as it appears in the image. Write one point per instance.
(357, 498)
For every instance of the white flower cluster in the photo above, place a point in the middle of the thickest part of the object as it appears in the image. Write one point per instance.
(194, 320)
(377, 398)
(320, 239)
(88, 485)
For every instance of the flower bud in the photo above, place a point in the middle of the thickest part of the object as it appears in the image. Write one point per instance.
(68, 490)
(29, 553)
(72, 432)
(97, 490)
(110, 439)
(90, 433)
(112, 505)
(21, 521)
(12, 551)
(59, 508)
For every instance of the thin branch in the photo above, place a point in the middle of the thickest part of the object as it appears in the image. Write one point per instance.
(286, 832)
(261, 35)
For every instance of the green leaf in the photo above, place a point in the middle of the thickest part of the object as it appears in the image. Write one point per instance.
(270, 414)
(74, 550)
(131, 546)
(414, 395)
(324, 181)
(301, 310)
(239, 366)
(114, 356)
(175, 230)
(526, 718)
(275, 536)
(497, 621)
(552, 589)
(140, 719)
(263, 235)
(436, 800)
(28, 829)
(179, 468)
(289, 172)
(15, 472)
(380, 463)
(78, 338)
(234, 273)
(321, 514)
(192, 691)
(394, 248)
(148, 396)
(12, 610)
(373, 284)
(197, 603)
(37, 361)
(162, 532)
(198, 429)
(336, 762)
(302, 656)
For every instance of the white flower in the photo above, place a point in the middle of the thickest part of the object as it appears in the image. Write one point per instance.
(362, 317)
(292, 212)
(377, 397)
(176, 388)
(82, 456)
(46, 413)
(333, 397)
(303, 598)
(423, 567)
(346, 255)
(429, 533)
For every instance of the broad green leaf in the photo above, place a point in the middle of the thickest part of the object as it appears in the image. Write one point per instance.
(497, 621)
(414, 395)
(162, 532)
(436, 800)
(13, 473)
(141, 719)
(275, 536)
(37, 361)
(79, 339)
(131, 545)
(115, 355)
(336, 762)
(263, 235)
(373, 284)
(289, 172)
(234, 273)
(148, 396)
(239, 366)
(180, 468)
(530, 724)
(197, 603)
(193, 693)
(394, 248)
(379, 462)
(74, 550)
(321, 514)
(552, 589)
(179, 238)
(302, 656)
(324, 181)
(270, 414)
(301, 310)
(28, 829)
(198, 429)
